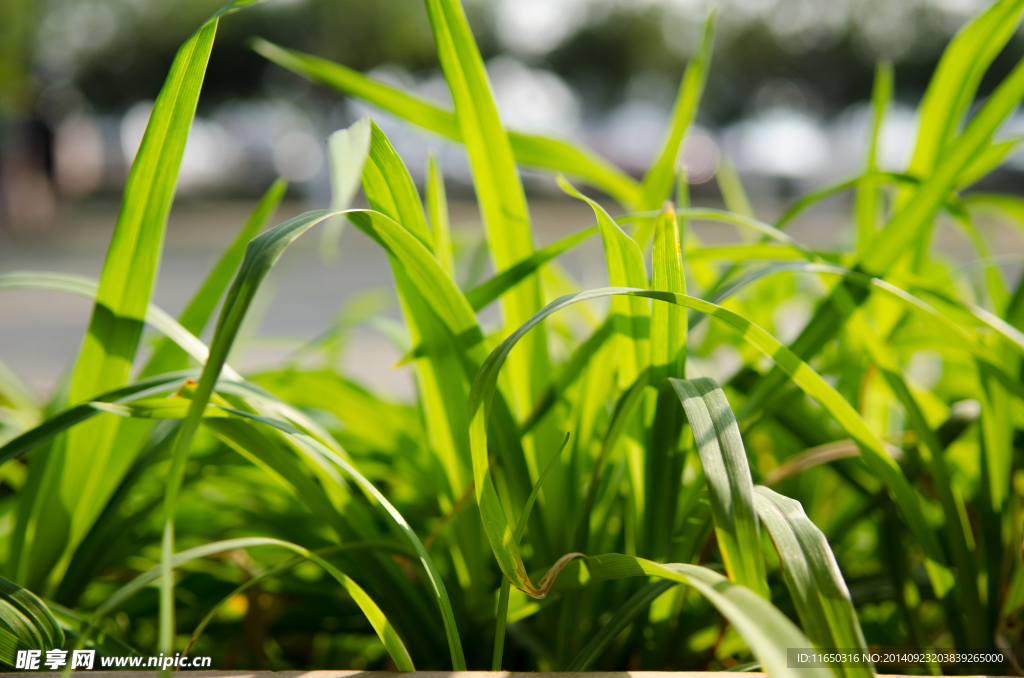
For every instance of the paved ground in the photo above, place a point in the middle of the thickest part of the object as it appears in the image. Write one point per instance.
(40, 331)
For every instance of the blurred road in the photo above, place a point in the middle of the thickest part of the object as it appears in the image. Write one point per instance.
(40, 332)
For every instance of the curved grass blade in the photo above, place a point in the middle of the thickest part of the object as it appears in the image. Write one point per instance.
(27, 622)
(394, 645)
(730, 486)
(24, 443)
(281, 569)
(529, 149)
(812, 575)
(441, 377)
(426, 274)
(390, 189)
(873, 451)
(765, 630)
(167, 356)
(625, 269)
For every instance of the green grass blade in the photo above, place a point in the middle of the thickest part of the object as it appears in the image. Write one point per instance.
(390, 189)
(657, 184)
(437, 208)
(347, 151)
(988, 160)
(394, 645)
(426, 274)
(812, 575)
(625, 269)
(167, 356)
(529, 149)
(765, 630)
(910, 222)
(730, 485)
(484, 294)
(24, 443)
(733, 194)
(867, 192)
(281, 569)
(21, 606)
(502, 621)
(405, 236)
(956, 79)
(498, 187)
(668, 322)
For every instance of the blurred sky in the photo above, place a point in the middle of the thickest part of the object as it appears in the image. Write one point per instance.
(785, 97)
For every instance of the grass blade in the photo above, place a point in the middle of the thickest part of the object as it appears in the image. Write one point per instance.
(668, 322)
(730, 486)
(956, 79)
(867, 192)
(529, 149)
(765, 630)
(85, 287)
(437, 208)
(27, 620)
(386, 633)
(625, 269)
(812, 575)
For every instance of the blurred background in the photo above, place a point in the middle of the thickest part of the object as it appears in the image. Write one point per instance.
(785, 102)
